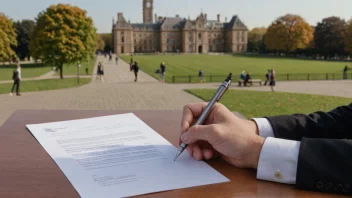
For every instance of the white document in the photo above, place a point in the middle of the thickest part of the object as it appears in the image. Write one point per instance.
(119, 156)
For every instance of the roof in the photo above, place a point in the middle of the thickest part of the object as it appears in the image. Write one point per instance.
(235, 23)
(154, 26)
(173, 23)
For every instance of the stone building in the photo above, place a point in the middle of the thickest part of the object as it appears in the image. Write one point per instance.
(176, 34)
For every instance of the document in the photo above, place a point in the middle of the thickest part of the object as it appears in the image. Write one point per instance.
(119, 156)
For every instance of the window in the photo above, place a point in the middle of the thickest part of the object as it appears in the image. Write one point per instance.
(122, 33)
(190, 48)
(135, 41)
(190, 39)
(145, 42)
(200, 26)
(200, 35)
(122, 39)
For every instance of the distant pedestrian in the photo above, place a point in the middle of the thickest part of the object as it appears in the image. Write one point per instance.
(345, 72)
(243, 75)
(247, 79)
(267, 76)
(100, 72)
(17, 76)
(87, 71)
(135, 69)
(272, 80)
(117, 60)
(162, 71)
(201, 76)
(110, 57)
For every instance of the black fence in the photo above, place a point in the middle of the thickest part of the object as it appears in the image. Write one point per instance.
(279, 77)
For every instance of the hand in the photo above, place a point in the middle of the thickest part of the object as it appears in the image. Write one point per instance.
(222, 135)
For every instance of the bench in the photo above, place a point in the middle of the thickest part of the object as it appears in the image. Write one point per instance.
(250, 82)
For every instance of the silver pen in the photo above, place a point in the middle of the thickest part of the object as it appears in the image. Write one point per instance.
(217, 96)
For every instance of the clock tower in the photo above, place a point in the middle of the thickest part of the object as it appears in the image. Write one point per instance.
(147, 11)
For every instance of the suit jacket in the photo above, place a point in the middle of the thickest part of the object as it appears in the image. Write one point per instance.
(325, 157)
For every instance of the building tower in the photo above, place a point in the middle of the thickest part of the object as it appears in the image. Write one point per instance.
(147, 11)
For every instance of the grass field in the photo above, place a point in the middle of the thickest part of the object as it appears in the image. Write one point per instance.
(258, 104)
(71, 69)
(43, 85)
(28, 71)
(186, 65)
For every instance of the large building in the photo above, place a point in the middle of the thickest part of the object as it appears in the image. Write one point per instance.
(176, 34)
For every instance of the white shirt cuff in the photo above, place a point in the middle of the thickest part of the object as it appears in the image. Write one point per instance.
(264, 127)
(278, 161)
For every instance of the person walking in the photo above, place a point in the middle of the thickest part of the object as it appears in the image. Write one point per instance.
(345, 72)
(201, 76)
(100, 72)
(272, 80)
(162, 72)
(268, 76)
(117, 59)
(135, 69)
(17, 76)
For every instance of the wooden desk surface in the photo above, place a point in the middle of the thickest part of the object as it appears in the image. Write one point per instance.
(26, 170)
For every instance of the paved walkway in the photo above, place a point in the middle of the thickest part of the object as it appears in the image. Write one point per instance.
(49, 75)
(329, 88)
(120, 92)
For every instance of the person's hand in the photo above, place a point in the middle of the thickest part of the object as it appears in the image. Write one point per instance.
(222, 135)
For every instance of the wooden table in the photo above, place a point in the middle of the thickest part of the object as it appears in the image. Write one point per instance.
(26, 170)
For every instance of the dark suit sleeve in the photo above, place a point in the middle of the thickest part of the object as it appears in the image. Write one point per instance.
(325, 165)
(336, 124)
(325, 157)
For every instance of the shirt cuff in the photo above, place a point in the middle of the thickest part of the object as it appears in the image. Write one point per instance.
(278, 161)
(264, 127)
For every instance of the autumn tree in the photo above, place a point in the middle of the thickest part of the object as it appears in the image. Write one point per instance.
(63, 34)
(256, 40)
(7, 39)
(329, 36)
(288, 33)
(23, 31)
(100, 43)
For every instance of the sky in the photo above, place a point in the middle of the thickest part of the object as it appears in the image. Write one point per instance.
(254, 13)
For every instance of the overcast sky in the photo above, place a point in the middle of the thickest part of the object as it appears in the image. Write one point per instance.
(252, 12)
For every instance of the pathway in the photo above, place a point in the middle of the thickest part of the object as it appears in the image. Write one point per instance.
(120, 92)
(46, 76)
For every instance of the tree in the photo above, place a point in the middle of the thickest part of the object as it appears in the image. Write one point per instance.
(7, 39)
(23, 30)
(100, 43)
(348, 38)
(288, 33)
(256, 40)
(108, 42)
(63, 34)
(329, 36)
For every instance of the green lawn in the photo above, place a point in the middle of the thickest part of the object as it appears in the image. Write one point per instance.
(42, 85)
(71, 69)
(186, 65)
(28, 71)
(258, 104)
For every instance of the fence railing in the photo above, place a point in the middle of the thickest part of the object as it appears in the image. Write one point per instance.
(279, 77)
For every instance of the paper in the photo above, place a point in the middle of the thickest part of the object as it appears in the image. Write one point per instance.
(119, 156)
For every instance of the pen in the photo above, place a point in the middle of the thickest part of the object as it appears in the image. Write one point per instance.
(217, 96)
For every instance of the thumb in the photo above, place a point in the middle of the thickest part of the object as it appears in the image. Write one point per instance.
(209, 133)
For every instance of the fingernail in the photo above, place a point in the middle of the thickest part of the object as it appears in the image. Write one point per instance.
(184, 137)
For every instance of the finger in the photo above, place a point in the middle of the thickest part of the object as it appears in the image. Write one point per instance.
(208, 154)
(190, 113)
(209, 133)
(197, 152)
